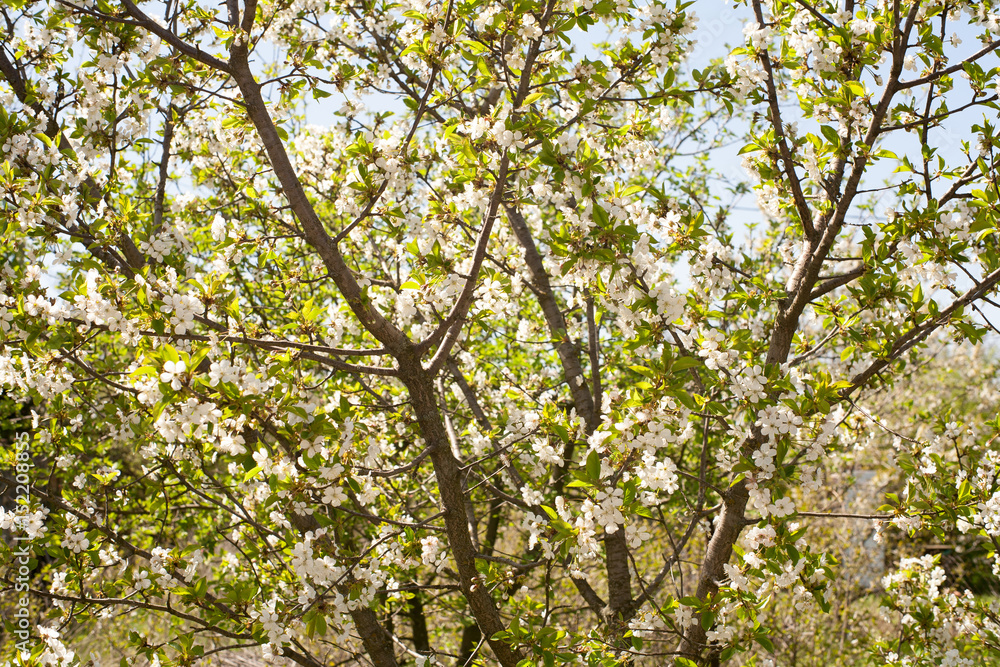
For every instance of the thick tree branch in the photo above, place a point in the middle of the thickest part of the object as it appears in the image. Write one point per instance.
(934, 76)
(801, 206)
(315, 234)
(173, 40)
(568, 354)
(449, 480)
(919, 333)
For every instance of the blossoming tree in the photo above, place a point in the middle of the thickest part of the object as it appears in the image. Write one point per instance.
(486, 369)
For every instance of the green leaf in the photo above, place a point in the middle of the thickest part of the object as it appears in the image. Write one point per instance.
(474, 47)
(686, 399)
(594, 466)
(684, 363)
(533, 97)
(855, 87)
(764, 641)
